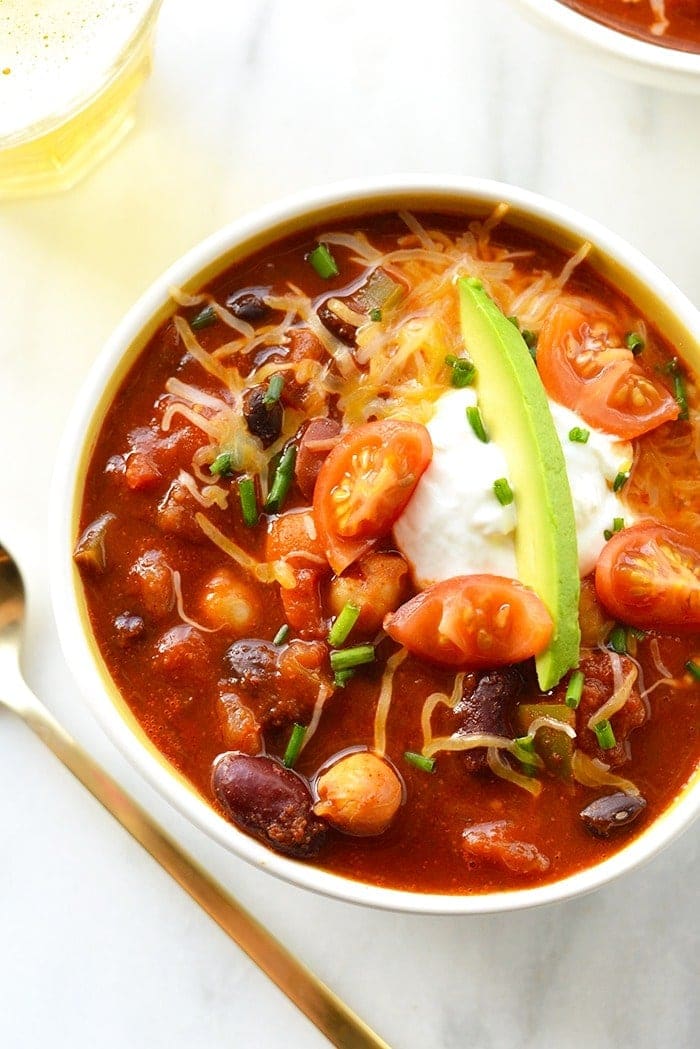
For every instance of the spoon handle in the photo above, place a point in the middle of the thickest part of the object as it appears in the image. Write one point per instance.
(336, 1020)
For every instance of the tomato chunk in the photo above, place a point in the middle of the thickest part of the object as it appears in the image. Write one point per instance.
(365, 484)
(292, 537)
(585, 366)
(473, 621)
(649, 576)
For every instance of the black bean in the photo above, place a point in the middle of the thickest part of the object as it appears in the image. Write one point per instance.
(263, 420)
(342, 330)
(605, 816)
(269, 801)
(248, 306)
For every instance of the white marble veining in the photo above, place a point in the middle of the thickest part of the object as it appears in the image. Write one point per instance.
(98, 947)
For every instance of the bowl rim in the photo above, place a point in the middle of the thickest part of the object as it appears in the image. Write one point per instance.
(614, 42)
(358, 196)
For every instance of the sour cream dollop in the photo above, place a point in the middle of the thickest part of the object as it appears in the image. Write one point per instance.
(455, 525)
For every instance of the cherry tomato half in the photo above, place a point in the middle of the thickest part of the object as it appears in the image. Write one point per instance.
(365, 484)
(648, 575)
(473, 621)
(584, 366)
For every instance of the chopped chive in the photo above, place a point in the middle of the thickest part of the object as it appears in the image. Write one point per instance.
(617, 640)
(463, 371)
(343, 625)
(634, 342)
(693, 669)
(679, 392)
(503, 491)
(477, 424)
(204, 319)
(346, 658)
(281, 635)
(342, 677)
(223, 465)
(579, 435)
(249, 501)
(375, 314)
(636, 633)
(274, 390)
(294, 746)
(323, 262)
(621, 480)
(605, 735)
(530, 339)
(283, 480)
(574, 690)
(525, 753)
(618, 525)
(420, 762)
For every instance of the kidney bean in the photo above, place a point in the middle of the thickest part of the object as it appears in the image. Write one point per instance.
(311, 452)
(605, 816)
(268, 801)
(488, 710)
(263, 420)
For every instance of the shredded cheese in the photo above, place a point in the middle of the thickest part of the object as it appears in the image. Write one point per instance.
(179, 603)
(384, 700)
(210, 495)
(594, 773)
(621, 692)
(464, 741)
(263, 571)
(324, 692)
(500, 767)
(435, 699)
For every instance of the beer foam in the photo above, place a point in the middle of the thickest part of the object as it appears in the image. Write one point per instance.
(51, 57)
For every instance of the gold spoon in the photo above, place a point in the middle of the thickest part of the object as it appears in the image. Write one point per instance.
(338, 1022)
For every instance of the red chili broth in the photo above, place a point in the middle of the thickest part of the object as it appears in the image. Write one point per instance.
(420, 851)
(636, 19)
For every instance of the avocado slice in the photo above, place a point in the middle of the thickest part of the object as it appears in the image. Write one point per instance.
(516, 412)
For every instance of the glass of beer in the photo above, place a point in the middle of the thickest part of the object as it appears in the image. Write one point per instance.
(69, 74)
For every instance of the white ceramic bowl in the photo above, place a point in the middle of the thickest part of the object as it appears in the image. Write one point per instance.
(613, 257)
(642, 61)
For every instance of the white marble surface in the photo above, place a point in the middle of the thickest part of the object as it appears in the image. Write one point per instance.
(248, 101)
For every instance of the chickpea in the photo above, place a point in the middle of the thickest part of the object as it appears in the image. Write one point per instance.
(360, 794)
(377, 584)
(229, 602)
